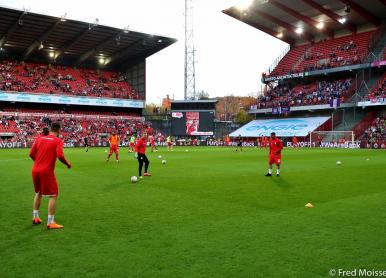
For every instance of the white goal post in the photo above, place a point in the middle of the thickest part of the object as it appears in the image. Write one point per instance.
(332, 136)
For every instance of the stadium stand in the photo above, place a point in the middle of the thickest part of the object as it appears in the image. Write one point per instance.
(54, 79)
(376, 132)
(322, 92)
(25, 126)
(331, 53)
(379, 90)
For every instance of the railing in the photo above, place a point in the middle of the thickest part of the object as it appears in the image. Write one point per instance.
(277, 60)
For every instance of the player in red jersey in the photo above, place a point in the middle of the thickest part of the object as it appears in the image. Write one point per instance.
(263, 142)
(152, 143)
(140, 149)
(44, 152)
(114, 142)
(275, 147)
(295, 142)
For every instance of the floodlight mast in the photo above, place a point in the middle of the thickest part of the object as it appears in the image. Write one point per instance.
(190, 75)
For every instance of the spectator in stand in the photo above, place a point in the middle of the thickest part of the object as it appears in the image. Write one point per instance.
(376, 133)
(54, 79)
(321, 93)
(74, 129)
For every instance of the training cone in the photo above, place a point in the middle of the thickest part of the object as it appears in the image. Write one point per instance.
(309, 205)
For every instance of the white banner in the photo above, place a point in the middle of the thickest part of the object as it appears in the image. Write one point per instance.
(282, 127)
(74, 100)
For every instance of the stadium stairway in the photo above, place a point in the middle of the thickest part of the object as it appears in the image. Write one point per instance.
(348, 122)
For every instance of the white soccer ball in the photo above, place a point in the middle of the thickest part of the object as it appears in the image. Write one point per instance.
(186, 150)
(164, 161)
(338, 163)
(160, 156)
(134, 179)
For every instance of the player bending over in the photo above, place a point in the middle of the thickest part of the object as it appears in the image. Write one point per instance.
(239, 143)
(140, 149)
(44, 152)
(114, 142)
(275, 147)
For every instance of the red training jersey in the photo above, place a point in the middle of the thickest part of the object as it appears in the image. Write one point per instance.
(114, 140)
(140, 146)
(275, 146)
(44, 152)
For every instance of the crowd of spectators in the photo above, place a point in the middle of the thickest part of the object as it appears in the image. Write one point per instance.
(54, 79)
(340, 55)
(376, 133)
(322, 92)
(379, 92)
(325, 54)
(75, 129)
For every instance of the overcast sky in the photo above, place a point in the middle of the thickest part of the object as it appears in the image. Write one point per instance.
(230, 55)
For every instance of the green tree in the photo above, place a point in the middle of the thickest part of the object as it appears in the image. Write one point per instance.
(242, 117)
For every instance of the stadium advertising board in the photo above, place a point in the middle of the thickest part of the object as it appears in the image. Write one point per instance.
(192, 123)
(327, 145)
(282, 127)
(288, 76)
(61, 99)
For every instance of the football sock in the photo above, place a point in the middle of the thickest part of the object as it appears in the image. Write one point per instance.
(51, 219)
(278, 172)
(270, 171)
(35, 213)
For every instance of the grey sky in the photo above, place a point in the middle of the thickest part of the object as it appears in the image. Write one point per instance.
(230, 55)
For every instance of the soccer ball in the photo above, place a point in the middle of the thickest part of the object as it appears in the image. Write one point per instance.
(160, 156)
(186, 150)
(338, 163)
(134, 179)
(164, 161)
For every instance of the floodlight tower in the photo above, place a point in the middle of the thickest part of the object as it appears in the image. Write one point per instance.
(190, 75)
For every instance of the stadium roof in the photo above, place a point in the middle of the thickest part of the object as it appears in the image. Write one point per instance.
(296, 21)
(31, 36)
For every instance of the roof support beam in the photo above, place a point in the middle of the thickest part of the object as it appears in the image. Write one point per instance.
(71, 43)
(311, 22)
(12, 29)
(281, 23)
(260, 27)
(41, 39)
(352, 28)
(88, 54)
(362, 12)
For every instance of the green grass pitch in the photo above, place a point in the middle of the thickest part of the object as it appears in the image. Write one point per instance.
(208, 212)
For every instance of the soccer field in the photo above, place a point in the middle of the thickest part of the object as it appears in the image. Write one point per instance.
(208, 212)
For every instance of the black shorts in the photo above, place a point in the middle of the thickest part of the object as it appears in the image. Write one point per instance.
(239, 144)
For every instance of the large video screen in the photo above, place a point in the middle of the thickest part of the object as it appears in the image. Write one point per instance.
(192, 123)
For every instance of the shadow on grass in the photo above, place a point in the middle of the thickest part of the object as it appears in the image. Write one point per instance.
(281, 183)
(115, 186)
